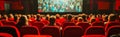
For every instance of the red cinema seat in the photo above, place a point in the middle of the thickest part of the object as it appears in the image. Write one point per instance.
(54, 31)
(1, 23)
(94, 31)
(29, 30)
(5, 35)
(9, 23)
(113, 31)
(84, 25)
(98, 24)
(111, 24)
(73, 31)
(37, 36)
(68, 24)
(40, 25)
(10, 30)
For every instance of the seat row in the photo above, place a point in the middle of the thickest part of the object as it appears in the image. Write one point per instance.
(54, 31)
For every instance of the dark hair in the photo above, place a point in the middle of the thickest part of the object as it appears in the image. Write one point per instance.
(38, 18)
(69, 18)
(113, 18)
(84, 18)
(52, 21)
(22, 22)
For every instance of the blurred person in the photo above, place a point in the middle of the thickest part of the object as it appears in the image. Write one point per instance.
(5, 17)
(11, 17)
(45, 21)
(23, 21)
(57, 16)
(80, 20)
(52, 21)
(69, 17)
(48, 16)
(92, 19)
(74, 19)
(84, 16)
(111, 18)
(38, 17)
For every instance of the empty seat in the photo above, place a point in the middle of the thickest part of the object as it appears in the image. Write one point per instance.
(98, 24)
(54, 31)
(29, 30)
(73, 31)
(111, 24)
(10, 30)
(84, 25)
(113, 31)
(94, 31)
(68, 24)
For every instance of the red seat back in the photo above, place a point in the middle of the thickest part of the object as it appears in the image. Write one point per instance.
(98, 24)
(9, 23)
(10, 30)
(113, 30)
(94, 30)
(29, 30)
(73, 31)
(54, 31)
(1, 23)
(84, 25)
(68, 24)
(40, 25)
(111, 24)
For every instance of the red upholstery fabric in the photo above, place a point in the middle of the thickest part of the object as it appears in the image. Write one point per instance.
(95, 30)
(113, 30)
(9, 23)
(73, 31)
(54, 31)
(29, 30)
(10, 30)
(93, 36)
(37, 36)
(1, 23)
(111, 24)
(68, 24)
(5, 35)
(84, 25)
(40, 25)
(98, 24)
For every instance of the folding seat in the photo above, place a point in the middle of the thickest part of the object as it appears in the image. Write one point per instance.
(84, 25)
(73, 31)
(111, 24)
(29, 30)
(10, 30)
(98, 24)
(68, 24)
(54, 31)
(113, 31)
(9, 23)
(94, 31)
